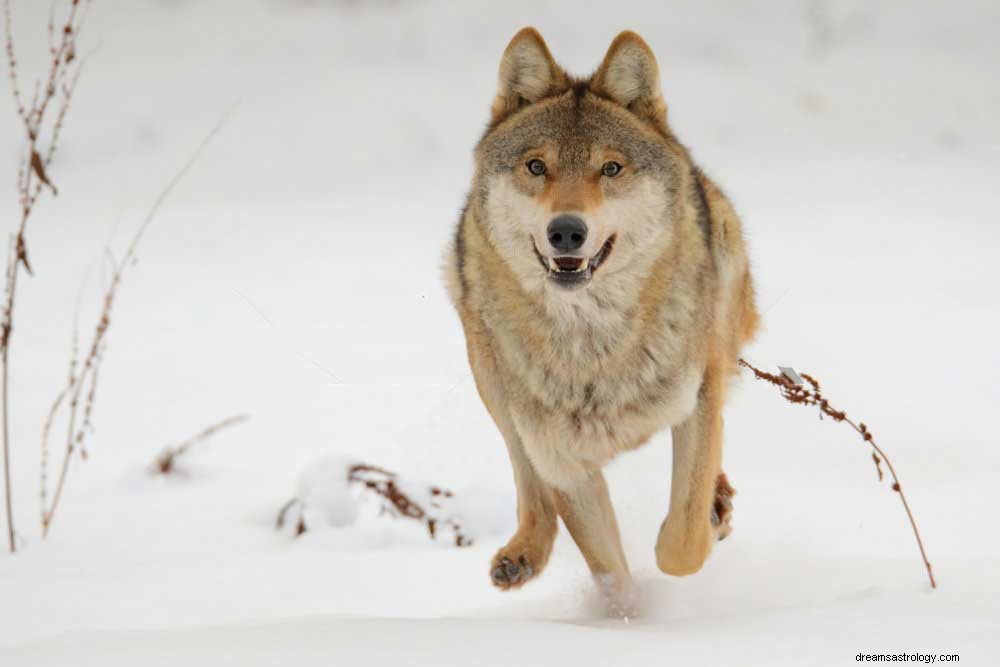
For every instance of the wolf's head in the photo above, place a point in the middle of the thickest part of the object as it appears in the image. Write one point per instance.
(577, 178)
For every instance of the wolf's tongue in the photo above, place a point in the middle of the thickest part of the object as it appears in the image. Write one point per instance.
(569, 263)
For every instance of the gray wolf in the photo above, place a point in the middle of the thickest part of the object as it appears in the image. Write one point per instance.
(603, 285)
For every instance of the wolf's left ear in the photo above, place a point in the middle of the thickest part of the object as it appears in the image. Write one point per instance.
(528, 73)
(630, 76)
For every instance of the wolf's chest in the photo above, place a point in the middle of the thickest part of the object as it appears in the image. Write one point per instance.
(580, 394)
(602, 373)
(620, 384)
(575, 420)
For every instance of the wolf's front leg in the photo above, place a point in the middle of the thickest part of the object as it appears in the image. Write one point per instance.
(587, 512)
(527, 553)
(690, 529)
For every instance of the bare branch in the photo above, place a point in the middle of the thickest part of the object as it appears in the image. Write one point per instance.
(812, 395)
(395, 502)
(90, 366)
(5, 329)
(12, 62)
(133, 246)
(33, 175)
(166, 462)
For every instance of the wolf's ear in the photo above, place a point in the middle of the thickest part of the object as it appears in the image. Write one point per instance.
(528, 73)
(630, 76)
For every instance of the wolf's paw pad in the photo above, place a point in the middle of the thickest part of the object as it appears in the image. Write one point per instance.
(507, 573)
(722, 508)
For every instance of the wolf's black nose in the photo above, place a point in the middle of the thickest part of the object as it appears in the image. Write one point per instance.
(567, 233)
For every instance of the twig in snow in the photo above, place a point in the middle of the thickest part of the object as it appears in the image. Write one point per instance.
(801, 394)
(86, 375)
(33, 175)
(395, 502)
(284, 516)
(166, 462)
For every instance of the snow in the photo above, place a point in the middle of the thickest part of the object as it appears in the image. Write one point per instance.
(324, 491)
(295, 276)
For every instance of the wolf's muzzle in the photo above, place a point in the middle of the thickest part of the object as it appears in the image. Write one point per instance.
(572, 272)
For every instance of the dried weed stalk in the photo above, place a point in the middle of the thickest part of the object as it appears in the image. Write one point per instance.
(81, 386)
(42, 131)
(166, 462)
(800, 394)
(395, 502)
(293, 506)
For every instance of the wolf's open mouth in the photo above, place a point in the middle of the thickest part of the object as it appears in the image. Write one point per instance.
(574, 271)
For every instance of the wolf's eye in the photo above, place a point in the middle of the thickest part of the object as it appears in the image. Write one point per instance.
(536, 167)
(611, 169)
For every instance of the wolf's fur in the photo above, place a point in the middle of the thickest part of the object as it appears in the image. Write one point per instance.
(574, 377)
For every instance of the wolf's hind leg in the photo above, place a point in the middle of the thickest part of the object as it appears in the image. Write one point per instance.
(587, 512)
(689, 531)
(527, 553)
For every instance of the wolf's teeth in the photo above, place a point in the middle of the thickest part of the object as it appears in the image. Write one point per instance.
(553, 265)
(583, 266)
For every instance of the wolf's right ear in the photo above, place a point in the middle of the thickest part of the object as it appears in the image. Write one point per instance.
(528, 73)
(630, 76)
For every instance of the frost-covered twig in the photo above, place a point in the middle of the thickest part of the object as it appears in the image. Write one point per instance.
(800, 394)
(166, 462)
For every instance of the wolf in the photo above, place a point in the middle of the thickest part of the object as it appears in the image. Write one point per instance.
(604, 289)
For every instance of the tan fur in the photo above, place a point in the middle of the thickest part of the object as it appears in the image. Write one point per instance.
(572, 194)
(574, 377)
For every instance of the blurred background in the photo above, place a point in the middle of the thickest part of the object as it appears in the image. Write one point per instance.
(295, 275)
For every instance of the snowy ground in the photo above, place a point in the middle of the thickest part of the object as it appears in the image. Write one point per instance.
(295, 277)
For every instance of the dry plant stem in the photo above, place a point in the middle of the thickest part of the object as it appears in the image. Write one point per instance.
(812, 395)
(166, 461)
(383, 483)
(63, 74)
(6, 426)
(300, 523)
(88, 369)
(396, 502)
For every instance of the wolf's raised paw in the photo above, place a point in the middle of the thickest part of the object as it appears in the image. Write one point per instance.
(507, 573)
(722, 508)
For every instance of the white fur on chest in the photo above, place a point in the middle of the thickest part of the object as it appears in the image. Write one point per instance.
(592, 393)
(566, 447)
